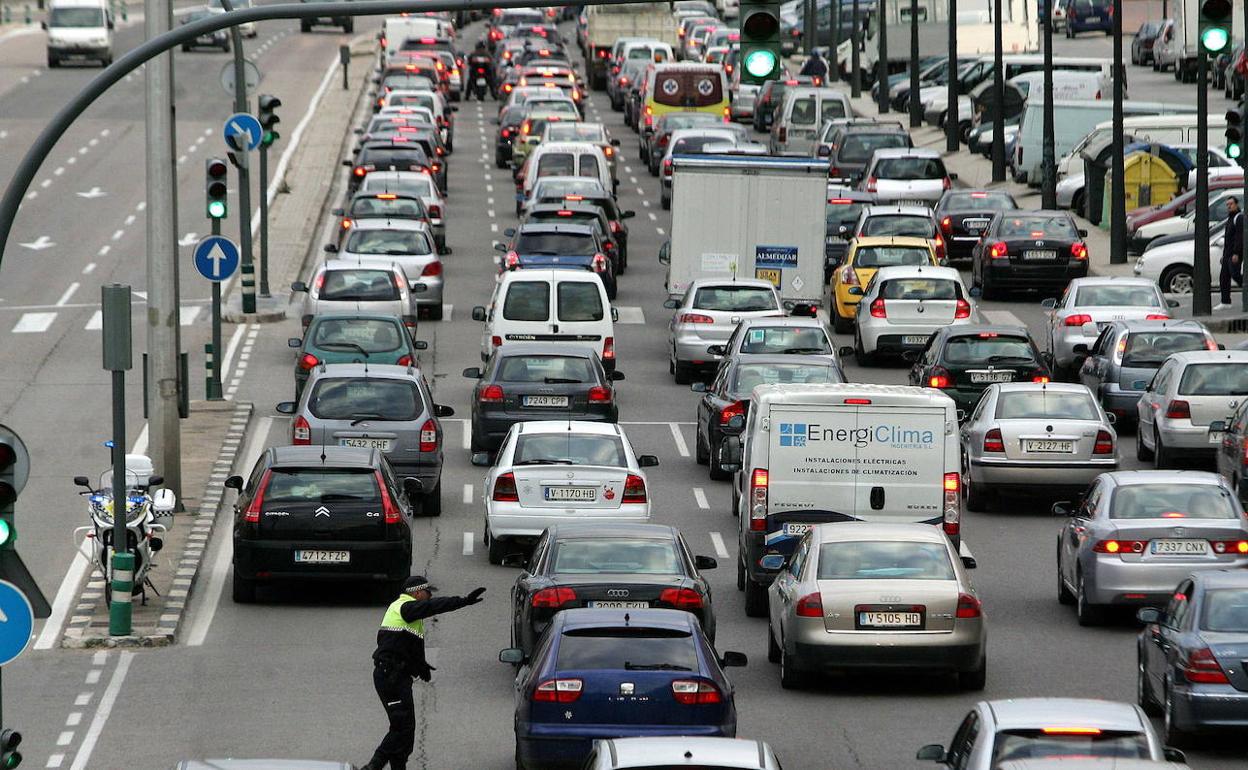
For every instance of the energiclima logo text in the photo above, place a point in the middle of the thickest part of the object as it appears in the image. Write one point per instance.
(800, 434)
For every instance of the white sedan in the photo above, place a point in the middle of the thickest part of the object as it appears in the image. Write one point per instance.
(1171, 264)
(902, 306)
(553, 471)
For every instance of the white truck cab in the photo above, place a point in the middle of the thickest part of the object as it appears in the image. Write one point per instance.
(79, 29)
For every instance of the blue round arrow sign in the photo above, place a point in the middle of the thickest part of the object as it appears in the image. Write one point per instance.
(17, 621)
(216, 257)
(243, 131)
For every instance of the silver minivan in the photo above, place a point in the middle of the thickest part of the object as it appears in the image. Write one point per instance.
(802, 113)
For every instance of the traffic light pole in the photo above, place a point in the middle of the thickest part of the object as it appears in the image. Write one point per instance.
(264, 219)
(855, 63)
(834, 41)
(115, 307)
(214, 380)
(1048, 159)
(247, 266)
(998, 96)
(1118, 184)
(916, 110)
(1201, 274)
(1243, 164)
(881, 64)
(951, 89)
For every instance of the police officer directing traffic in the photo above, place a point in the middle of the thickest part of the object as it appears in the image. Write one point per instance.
(400, 655)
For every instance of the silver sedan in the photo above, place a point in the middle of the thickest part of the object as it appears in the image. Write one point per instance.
(368, 286)
(1089, 304)
(707, 314)
(1136, 534)
(875, 596)
(1025, 435)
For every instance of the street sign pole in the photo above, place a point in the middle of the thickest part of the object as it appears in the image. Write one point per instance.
(264, 219)
(1202, 280)
(855, 70)
(214, 382)
(951, 89)
(998, 97)
(881, 64)
(115, 305)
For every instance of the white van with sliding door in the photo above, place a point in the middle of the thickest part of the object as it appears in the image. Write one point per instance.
(79, 30)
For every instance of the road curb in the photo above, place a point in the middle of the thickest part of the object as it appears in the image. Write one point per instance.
(77, 634)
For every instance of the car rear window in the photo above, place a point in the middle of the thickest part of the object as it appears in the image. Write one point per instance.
(615, 555)
(1226, 609)
(830, 109)
(693, 145)
(1044, 405)
(372, 335)
(1173, 501)
(803, 112)
(575, 132)
(574, 448)
(979, 201)
(890, 256)
(355, 397)
(570, 244)
(688, 88)
(1153, 348)
(409, 158)
(858, 148)
(884, 560)
(358, 286)
(589, 165)
(565, 369)
(1038, 227)
(1082, 743)
(689, 120)
(405, 82)
(579, 301)
(750, 376)
(409, 100)
(786, 339)
(841, 212)
(387, 205)
(318, 485)
(734, 298)
(1111, 296)
(560, 188)
(909, 169)
(389, 242)
(899, 224)
(626, 648)
(980, 349)
(527, 301)
(919, 288)
(1220, 379)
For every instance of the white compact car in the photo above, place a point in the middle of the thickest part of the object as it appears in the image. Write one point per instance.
(708, 314)
(1089, 304)
(901, 307)
(1170, 265)
(1189, 391)
(408, 244)
(553, 471)
(906, 175)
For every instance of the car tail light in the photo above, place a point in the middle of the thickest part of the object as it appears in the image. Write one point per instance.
(962, 309)
(553, 598)
(301, 431)
(346, 223)
(404, 360)
(695, 692)
(1119, 546)
(608, 151)
(435, 212)
(1077, 319)
(1040, 377)
(810, 606)
(993, 442)
(758, 499)
(506, 133)
(558, 690)
(681, 598)
(389, 510)
(1202, 668)
(252, 514)
(947, 183)
(616, 228)
(877, 308)
(969, 606)
(429, 436)
(1179, 410)
(496, 340)
(432, 270)
(511, 260)
(505, 489)
(730, 411)
(695, 318)
(608, 349)
(999, 250)
(667, 167)
(872, 184)
(623, 81)
(599, 394)
(599, 263)
(1157, 317)
(946, 224)
(308, 362)
(634, 489)
(940, 246)
(1211, 344)
(849, 276)
(833, 171)
(662, 140)
(361, 170)
(1079, 251)
(953, 504)
(1230, 546)
(1104, 443)
(938, 377)
(491, 394)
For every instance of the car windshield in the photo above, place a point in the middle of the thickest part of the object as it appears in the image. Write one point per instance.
(566, 369)
(626, 648)
(858, 148)
(899, 224)
(884, 560)
(387, 205)
(890, 256)
(600, 556)
(786, 339)
(562, 187)
(1038, 227)
(358, 286)
(979, 201)
(1046, 404)
(373, 335)
(749, 376)
(988, 348)
(579, 301)
(1108, 295)
(570, 449)
(1076, 743)
(379, 398)
(389, 242)
(1225, 609)
(314, 485)
(1173, 501)
(1219, 379)
(1151, 349)
(909, 169)
(734, 298)
(555, 244)
(76, 17)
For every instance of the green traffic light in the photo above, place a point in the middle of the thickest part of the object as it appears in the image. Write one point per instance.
(6, 532)
(760, 64)
(216, 209)
(1233, 151)
(13, 760)
(1215, 39)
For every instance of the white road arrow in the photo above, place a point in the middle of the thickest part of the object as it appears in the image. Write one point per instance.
(189, 239)
(94, 192)
(215, 257)
(39, 244)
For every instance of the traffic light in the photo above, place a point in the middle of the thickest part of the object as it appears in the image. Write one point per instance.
(1215, 25)
(1234, 134)
(760, 40)
(14, 470)
(10, 757)
(215, 171)
(268, 118)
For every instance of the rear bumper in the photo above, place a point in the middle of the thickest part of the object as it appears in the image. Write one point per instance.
(1193, 440)
(1052, 475)
(1205, 707)
(566, 746)
(1108, 579)
(535, 521)
(956, 651)
(1020, 276)
(275, 560)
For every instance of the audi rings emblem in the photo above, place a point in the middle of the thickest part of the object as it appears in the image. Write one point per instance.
(617, 593)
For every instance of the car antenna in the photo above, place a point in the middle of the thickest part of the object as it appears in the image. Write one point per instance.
(626, 618)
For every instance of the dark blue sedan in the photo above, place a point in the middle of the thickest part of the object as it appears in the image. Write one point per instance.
(618, 673)
(543, 245)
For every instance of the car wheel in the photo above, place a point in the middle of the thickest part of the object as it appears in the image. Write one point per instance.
(717, 471)
(684, 373)
(652, 167)
(1076, 204)
(435, 312)
(228, 46)
(861, 356)
(1142, 452)
(1088, 614)
(701, 454)
(975, 679)
(1161, 455)
(1064, 596)
(773, 649)
(1142, 695)
(244, 590)
(1177, 279)
(496, 548)
(790, 676)
(431, 504)
(978, 496)
(840, 324)
(1171, 734)
(755, 599)
(665, 202)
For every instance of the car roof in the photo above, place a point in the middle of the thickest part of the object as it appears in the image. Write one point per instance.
(567, 426)
(707, 130)
(322, 317)
(1089, 763)
(884, 209)
(1106, 280)
(1222, 578)
(892, 240)
(1142, 476)
(852, 196)
(917, 271)
(386, 223)
(326, 455)
(685, 750)
(580, 207)
(755, 283)
(1025, 713)
(970, 330)
(543, 274)
(583, 617)
(1170, 324)
(365, 262)
(786, 320)
(848, 531)
(518, 349)
(906, 152)
(370, 371)
(1058, 387)
(779, 358)
(586, 529)
(554, 227)
(1210, 356)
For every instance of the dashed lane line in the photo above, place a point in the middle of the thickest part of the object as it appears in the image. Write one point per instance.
(679, 439)
(700, 498)
(717, 540)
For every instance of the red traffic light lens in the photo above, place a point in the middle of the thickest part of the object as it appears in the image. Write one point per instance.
(8, 456)
(763, 24)
(217, 168)
(1216, 9)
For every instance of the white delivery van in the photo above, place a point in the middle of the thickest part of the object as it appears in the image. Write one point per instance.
(79, 29)
(847, 452)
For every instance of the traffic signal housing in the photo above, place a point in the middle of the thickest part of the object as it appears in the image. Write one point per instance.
(1234, 134)
(1214, 25)
(268, 118)
(14, 470)
(215, 187)
(760, 41)
(10, 757)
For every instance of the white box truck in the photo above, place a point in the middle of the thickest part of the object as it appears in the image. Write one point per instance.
(750, 217)
(811, 454)
(606, 23)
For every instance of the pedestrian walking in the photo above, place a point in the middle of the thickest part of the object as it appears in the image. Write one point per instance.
(1232, 252)
(400, 655)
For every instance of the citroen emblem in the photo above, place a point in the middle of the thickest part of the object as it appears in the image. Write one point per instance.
(626, 688)
(322, 511)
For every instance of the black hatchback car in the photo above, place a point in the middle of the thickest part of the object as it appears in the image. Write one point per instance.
(538, 381)
(386, 157)
(964, 215)
(963, 361)
(575, 213)
(1029, 250)
(323, 513)
(607, 566)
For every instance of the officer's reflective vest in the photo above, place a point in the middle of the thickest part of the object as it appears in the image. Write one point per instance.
(393, 619)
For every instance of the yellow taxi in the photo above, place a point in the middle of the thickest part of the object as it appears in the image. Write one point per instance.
(866, 255)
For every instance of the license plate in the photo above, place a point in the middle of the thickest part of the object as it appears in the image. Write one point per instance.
(982, 377)
(545, 401)
(890, 619)
(322, 557)
(1180, 547)
(796, 529)
(1092, 19)
(912, 202)
(618, 605)
(1047, 445)
(1215, 438)
(974, 225)
(1040, 254)
(366, 443)
(914, 339)
(574, 494)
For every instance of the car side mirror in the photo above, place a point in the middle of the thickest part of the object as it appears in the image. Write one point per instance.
(285, 407)
(855, 291)
(1048, 303)
(442, 410)
(83, 481)
(1173, 755)
(698, 387)
(628, 214)
(969, 562)
(1148, 615)
(510, 232)
(233, 482)
(1080, 349)
(665, 253)
(413, 486)
(732, 659)
(481, 459)
(420, 344)
(1221, 346)
(932, 752)
(164, 501)
(517, 560)
(647, 461)
(512, 655)
(671, 304)
(615, 142)
(1062, 508)
(155, 481)
(417, 288)
(705, 562)
(1172, 303)
(615, 315)
(716, 350)
(500, 247)
(478, 313)
(330, 248)
(472, 372)
(294, 342)
(911, 356)
(616, 375)
(298, 286)
(1217, 426)
(772, 561)
(43, 24)
(823, 151)
(845, 351)
(1047, 359)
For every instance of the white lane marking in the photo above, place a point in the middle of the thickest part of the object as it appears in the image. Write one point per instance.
(493, 227)
(1003, 317)
(700, 498)
(129, 220)
(221, 560)
(93, 676)
(69, 292)
(659, 230)
(653, 216)
(187, 315)
(117, 234)
(646, 204)
(58, 171)
(681, 446)
(44, 184)
(640, 191)
(633, 179)
(102, 712)
(55, 760)
(95, 323)
(65, 738)
(103, 252)
(721, 550)
(630, 314)
(39, 244)
(467, 544)
(467, 494)
(490, 213)
(99, 658)
(83, 698)
(30, 196)
(448, 311)
(140, 206)
(74, 719)
(33, 323)
(230, 347)
(467, 434)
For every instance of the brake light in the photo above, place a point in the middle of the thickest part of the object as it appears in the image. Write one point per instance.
(1040, 377)
(947, 183)
(1071, 730)
(558, 690)
(946, 224)
(505, 489)
(663, 139)
(681, 598)
(1203, 668)
(608, 349)
(599, 263)
(1104, 443)
(301, 431)
(732, 410)
(849, 276)
(616, 227)
(511, 260)
(360, 171)
(252, 514)
(599, 394)
(695, 692)
(993, 442)
(969, 607)
(810, 606)
(877, 309)
(938, 377)
(405, 360)
(940, 246)
(667, 167)
(962, 309)
(1230, 546)
(506, 133)
(998, 250)
(496, 340)
(1079, 251)
(623, 81)
(1078, 319)
(429, 436)
(308, 362)
(553, 598)
(758, 499)
(634, 489)
(346, 223)
(435, 212)
(953, 504)
(491, 394)
(695, 318)
(1179, 410)
(1157, 317)
(871, 184)
(1119, 546)
(389, 510)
